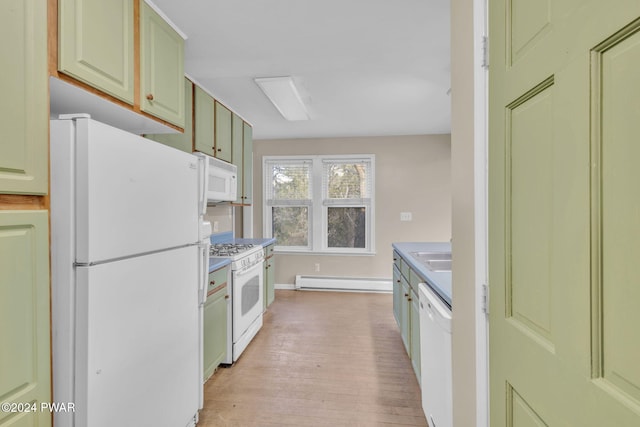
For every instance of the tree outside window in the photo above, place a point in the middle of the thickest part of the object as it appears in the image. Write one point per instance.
(320, 203)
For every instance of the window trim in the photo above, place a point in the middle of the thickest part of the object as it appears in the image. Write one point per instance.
(318, 236)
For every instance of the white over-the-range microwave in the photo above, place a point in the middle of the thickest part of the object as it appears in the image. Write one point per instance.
(218, 180)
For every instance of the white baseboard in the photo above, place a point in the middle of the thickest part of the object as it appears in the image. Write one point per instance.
(333, 283)
(285, 286)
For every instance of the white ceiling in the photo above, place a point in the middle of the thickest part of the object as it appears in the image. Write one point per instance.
(364, 67)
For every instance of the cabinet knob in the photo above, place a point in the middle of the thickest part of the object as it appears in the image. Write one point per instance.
(219, 149)
(408, 299)
(406, 295)
(150, 97)
(213, 282)
(226, 297)
(398, 280)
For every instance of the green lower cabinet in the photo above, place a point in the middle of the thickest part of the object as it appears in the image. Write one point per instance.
(269, 280)
(414, 315)
(215, 322)
(25, 363)
(406, 309)
(404, 315)
(397, 293)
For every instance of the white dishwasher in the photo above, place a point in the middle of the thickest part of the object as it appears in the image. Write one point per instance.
(435, 353)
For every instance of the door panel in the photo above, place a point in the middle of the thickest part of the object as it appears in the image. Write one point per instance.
(620, 212)
(204, 125)
(24, 316)
(529, 219)
(24, 107)
(223, 132)
(161, 68)
(248, 164)
(564, 213)
(96, 44)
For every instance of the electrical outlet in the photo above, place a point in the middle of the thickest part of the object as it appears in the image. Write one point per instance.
(317, 267)
(405, 216)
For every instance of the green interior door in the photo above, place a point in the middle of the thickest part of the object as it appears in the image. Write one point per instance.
(564, 215)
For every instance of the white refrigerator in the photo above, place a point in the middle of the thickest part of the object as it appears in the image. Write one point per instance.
(127, 285)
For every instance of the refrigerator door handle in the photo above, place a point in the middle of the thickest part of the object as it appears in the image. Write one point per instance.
(204, 272)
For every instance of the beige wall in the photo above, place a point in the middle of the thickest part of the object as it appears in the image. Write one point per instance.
(413, 174)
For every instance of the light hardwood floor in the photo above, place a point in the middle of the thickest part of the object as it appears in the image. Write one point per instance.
(321, 359)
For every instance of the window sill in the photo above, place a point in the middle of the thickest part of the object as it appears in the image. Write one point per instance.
(323, 253)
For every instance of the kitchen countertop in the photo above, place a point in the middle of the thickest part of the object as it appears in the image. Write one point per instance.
(440, 282)
(261, 242)
(217, 263)
(227, 237)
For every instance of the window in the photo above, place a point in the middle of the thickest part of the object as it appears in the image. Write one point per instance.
(320, 203)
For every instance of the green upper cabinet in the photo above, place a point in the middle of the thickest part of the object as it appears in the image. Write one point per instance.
(95, 44)
(181, 141)
(247, 169)
(161, 68)
(223, 132)
(237, 144)
(203, 121)
(24, 107)
(25, 359)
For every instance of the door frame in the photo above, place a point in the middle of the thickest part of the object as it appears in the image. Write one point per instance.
(477, 325)
(481, 181)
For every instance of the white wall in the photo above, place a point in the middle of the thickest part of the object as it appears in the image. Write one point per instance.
(468, 122)
(413, 174)
(222, 215)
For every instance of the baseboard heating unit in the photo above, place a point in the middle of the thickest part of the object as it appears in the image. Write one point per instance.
(334, 283)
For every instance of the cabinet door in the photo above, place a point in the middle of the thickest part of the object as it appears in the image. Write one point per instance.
(182, 141)
(161, 68)
(237, 142)
(215, 331)
(203, 121)
(95, 44)
(404, 315)
(269, 280)
(397, 294)
(223, 132)
(414, 307)
(24, 106)
(24, 315)
(248, 164)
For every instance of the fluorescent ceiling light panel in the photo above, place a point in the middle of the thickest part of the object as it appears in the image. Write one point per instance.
(285, 97)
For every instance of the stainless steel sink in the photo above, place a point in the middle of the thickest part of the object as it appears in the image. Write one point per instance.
(439, 265)
(436, 261)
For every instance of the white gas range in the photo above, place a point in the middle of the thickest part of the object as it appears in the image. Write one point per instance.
(247, 267)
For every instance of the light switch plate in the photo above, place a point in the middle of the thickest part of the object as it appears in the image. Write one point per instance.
(405, 216)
